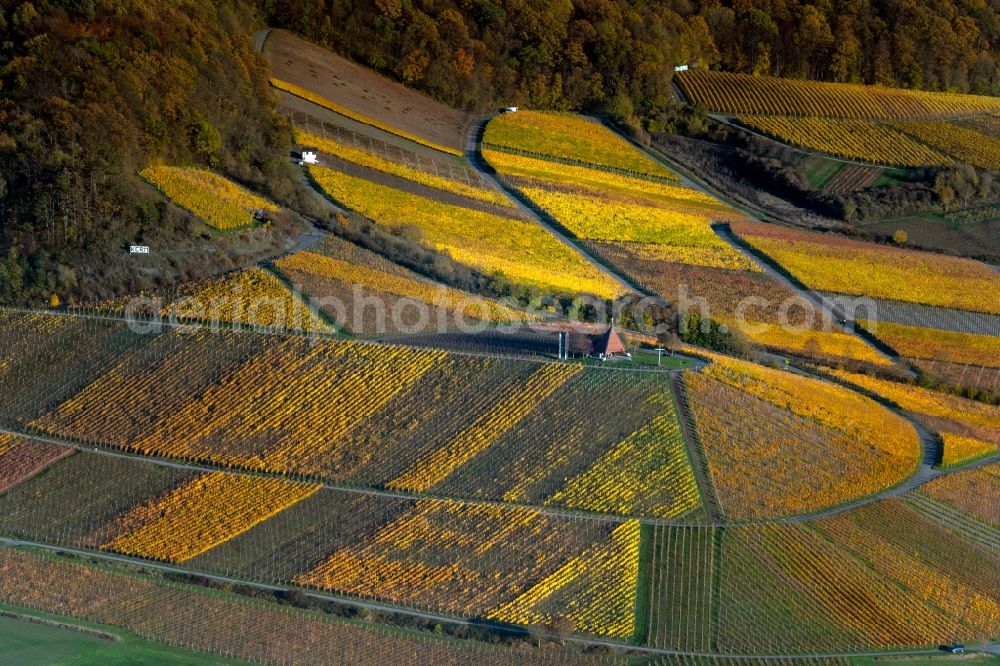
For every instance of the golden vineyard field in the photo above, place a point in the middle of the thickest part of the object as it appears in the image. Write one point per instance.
(218, 201)
(570, 137)
(742, 94)
(480, 192)
(826, 262)
(522, 250)
(858, 140)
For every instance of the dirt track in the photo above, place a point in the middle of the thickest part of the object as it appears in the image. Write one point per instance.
(307, 65)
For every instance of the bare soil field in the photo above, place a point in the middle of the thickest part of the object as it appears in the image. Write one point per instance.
(310, 66)
(311, 116)
(980, 240)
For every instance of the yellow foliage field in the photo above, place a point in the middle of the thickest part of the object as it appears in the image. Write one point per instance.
(675, 197)
(366, 159)
(966, 144)
(830, 263)
(523, 251)
(780, 446)
(471, 306)
(854, 139)
(823, 343)
(607, 572)
(925, 401)
(825, 402)
(647, 470)
(254, 297)
(206, 511)
(218, 201)
(571, 137)
(542, 383)
(959, 449)
(457, 557)
(932, 343)
(741, 94)
(593, 216)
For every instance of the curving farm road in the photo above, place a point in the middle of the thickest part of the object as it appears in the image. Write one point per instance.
(473, 153)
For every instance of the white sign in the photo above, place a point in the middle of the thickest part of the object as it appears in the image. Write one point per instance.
(138, 249)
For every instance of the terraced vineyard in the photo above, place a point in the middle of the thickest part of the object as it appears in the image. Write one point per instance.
(869, 142)
(825, 262)
(741, 94)
(490, 242)
(660, 236)
(218, 201)
(569, 137)
(309, 457)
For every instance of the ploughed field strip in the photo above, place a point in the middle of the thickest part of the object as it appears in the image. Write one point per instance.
(304, 69)
(915, 315)
(408, 419)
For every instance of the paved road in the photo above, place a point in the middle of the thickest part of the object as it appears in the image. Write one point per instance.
(473, 152)
(259, 38)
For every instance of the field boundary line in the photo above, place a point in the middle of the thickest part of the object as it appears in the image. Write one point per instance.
(696, 458)
(776, 271)
(474, 155)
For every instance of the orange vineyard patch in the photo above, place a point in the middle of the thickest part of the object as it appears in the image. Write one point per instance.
(203, 513)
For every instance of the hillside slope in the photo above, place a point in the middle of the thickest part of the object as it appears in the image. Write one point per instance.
(92, 92)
